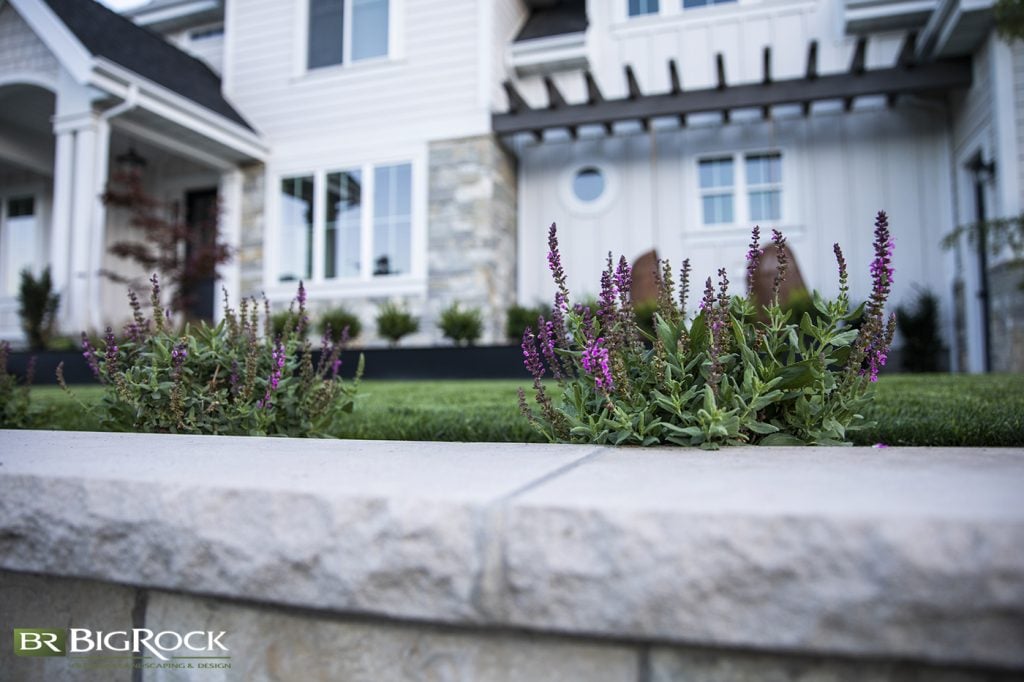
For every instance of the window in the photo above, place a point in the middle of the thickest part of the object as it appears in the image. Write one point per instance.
(690, 4)
(19, 241)
(720, 182)
(588, 185)
(296, 228)
(716, 188)
(392, 221)
(364, 229)
(764, 186)
(344, 31)
(640, 7)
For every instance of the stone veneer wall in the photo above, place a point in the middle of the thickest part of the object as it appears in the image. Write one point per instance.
(1007, 317)
(471, 231)
(251, 252)
(490, 562)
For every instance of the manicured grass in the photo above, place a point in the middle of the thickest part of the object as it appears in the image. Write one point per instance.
(937, 409)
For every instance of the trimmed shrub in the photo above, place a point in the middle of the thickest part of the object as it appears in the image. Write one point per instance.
(464, 327)
(395, 322)
(37, 308)
(918, 325)
(15, 400)
(339, 320)
(519, 318)
(722, 378)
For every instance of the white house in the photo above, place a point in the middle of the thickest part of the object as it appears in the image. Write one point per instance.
(419, 149)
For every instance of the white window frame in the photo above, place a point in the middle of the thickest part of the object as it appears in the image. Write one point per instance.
(674, 8)
(396, 43)
(740, 190)
(765, 187)
(366, 284)
(719, 190)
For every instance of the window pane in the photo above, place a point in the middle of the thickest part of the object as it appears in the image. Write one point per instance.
(342, 226)
(326, 28)
(20, 242)
(638, 7)
(687, 4)
(588, 184)
(765, 205)
(764, 169)
(392, 220)
(369, 28)
(717, 209)
(716, 173)
(296, 245)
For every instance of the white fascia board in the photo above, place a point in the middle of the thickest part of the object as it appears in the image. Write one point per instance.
(857, 16)
(181, 110)
(947, 19)
(175, 12)
(55, 34)
(553, 53)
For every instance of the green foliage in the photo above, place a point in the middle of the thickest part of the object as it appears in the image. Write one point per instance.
(464, 327)
(340, 319)
(37, 307)
(919, 328)
(15, 400)
(225, 379)
(644, 312)
(284, 321)
(395, 322)
(724, 377)
(520, 318)
(1009, 18)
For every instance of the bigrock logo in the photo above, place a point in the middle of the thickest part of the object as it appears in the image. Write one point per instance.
(138, 642)
(40, 641)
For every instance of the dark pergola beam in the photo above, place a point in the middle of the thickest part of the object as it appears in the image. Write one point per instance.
(675, 85)
(812, 60)
(720, 70)
(859, 53)
(555, 99)
(908, 51)
(766, 68)
(594, 95)
(938, 76)
(631, 84)
(516, 103)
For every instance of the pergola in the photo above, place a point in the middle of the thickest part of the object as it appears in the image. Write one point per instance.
(906, 77)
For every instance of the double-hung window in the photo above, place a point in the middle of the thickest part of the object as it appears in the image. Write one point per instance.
(346, 31)
(739, 188)
(362, 231)
(639, 8)
(18, 240)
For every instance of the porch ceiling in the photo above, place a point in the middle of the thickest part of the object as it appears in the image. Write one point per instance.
(906, 77)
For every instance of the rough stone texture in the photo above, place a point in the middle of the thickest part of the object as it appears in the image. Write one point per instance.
(31, 601)
(1007, 319)
(897, 552)
(380, 527)
(282, 647)
(894, 555)
(472, 231)
(680, 665)
(251, 249)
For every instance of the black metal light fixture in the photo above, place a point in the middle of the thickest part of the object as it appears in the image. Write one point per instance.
(984, 172)
(131, 161)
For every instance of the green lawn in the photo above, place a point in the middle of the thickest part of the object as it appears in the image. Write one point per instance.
(938, 409)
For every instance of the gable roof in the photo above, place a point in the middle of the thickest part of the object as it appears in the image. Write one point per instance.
(104, 33)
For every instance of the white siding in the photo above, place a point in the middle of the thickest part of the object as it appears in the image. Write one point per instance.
(507, 18)
(1018, 88)
(430, 91)
(838, 171)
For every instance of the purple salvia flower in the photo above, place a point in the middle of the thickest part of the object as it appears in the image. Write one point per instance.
(595, 361)
(606, 306)
(233, 379)
(723, 291)
(90, 356)
(881, 267)
(684, 284)
(624, 280)
(754, 254)
(110, 344)
(546, 338)
(531, 358)
(555, 265)
(178, 354)
(844, 286)
(708, 302)
(335, 368)
(783, 266)
(137, 315)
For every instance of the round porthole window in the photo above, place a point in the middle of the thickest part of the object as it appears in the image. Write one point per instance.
(588, 185)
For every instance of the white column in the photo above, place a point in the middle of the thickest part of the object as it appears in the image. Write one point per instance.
(229, 228)
(82, 215)
(99, 224)
(60, 226)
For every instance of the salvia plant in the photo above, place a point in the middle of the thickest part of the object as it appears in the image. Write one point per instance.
(726, 376)
(238, 377)
(15, 399)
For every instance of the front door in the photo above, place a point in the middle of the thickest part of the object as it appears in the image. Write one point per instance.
(201, 212)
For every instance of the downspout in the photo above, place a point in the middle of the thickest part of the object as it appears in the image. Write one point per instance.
(100, 211)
